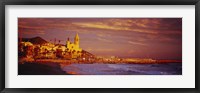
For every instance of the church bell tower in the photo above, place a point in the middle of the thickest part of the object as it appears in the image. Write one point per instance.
(76, 40)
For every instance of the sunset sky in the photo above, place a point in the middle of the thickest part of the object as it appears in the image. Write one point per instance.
(157, 38)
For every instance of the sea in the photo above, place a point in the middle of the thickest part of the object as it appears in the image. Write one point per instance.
(124, 69)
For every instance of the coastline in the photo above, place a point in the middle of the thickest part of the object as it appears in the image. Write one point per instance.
(57, 68)
(65, 61)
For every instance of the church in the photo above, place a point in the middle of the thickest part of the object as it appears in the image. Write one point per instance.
(74, 47)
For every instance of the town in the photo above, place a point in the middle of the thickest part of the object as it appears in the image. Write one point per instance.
(68, 53)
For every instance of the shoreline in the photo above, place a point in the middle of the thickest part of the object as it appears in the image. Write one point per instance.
(72, 61)
(51, 68)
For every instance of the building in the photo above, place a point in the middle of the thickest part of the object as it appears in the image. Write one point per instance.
(51, 51)
(74, 47)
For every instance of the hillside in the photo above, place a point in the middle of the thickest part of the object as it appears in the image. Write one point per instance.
(35, 40)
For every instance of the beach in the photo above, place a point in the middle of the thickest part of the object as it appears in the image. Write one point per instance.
(50, 68)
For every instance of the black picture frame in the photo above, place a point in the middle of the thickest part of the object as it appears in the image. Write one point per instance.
(3, 3)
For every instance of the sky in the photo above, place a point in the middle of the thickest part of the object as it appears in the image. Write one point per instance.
(157, 38)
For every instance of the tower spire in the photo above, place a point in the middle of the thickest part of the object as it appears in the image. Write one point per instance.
(77, 36)
(76, 40)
